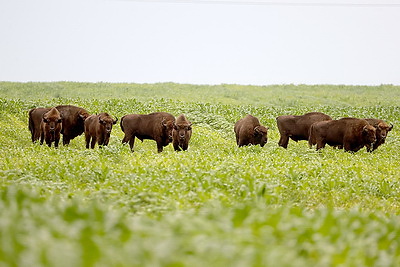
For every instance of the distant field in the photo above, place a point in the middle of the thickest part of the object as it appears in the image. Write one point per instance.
(213, 205)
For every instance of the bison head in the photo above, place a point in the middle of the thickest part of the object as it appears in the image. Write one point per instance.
(107, 123)
(167, 126)
(382, 130)
(369, 134)
(182, 133)
(52, 120)
(260, 135)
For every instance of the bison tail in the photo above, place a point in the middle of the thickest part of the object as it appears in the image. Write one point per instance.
(311, 137)
(31, 124)
(120, 123)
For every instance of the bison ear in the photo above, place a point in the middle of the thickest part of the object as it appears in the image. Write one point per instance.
(101, 121)
(175, 126)
(190, 126)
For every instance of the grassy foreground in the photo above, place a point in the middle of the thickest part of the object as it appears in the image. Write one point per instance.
(214, 205)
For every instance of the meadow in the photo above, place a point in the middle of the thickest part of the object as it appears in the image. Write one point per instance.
(213, 205)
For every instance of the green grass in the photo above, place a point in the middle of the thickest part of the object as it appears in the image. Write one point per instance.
(213, 205)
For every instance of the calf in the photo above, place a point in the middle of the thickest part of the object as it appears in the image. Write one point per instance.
(98, 128)
(350, 133)
(248, 131)
(382, 129)
(50, 127)
(297, 127)
(181, 133)
(155, 126)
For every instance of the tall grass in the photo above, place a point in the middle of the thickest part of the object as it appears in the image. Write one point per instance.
(212, 205)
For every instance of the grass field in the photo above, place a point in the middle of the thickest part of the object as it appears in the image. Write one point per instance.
(213, 205)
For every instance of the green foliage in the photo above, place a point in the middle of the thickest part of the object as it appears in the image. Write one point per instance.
(213, 205)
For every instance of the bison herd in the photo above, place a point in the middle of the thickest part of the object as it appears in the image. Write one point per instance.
(351, 134)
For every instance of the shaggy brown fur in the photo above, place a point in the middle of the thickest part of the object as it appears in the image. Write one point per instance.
(248, 131)
(297, 127)
(155, 126)
(98, 128)
(181, 133)
(382, 129)
(350, 133)
(72, 125)
(50, 127)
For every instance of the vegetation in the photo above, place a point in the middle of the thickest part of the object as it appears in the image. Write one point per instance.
(213, 205)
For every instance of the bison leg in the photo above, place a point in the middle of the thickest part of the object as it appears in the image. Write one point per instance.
(106, 140)
(48, 141)
(132, 142)
(283, 141)
(159, 147)
(100, 141)
(320, 144)
(176, 146)
(185, 147)
(41, 138)
(66, 140)
(87, 139)
(56, 140)
(93, 143)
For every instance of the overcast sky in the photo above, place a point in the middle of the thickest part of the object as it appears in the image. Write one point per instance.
(238, 42)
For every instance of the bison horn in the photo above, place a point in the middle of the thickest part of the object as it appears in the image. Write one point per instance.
(115, 121)
(256, 129)
(391, 127)
(164, 122)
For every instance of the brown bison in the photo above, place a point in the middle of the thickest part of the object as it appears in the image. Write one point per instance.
(35, 120)
(297, 127)
(155, 126)
(98, 128)
(382, 129)
(50, 127)
(181, 133)
(350, 133)
(248, 131)
(72, 123)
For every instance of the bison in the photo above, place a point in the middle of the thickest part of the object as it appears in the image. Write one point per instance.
(35, 120)
(297, 127)
(50, 127)
(382, 129)
(181, 133)
(98, 128)
(248, 131)
(72, 123)
(350, 133)
(155, 126)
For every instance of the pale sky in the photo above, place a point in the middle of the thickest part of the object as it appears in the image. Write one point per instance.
(239, 42)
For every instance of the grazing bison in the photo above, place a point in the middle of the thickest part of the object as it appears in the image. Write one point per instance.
(248, 131)
(350, 133)
(50, 127)
(382, 129)
(72, 124)
(154, 126)
(181, 133)
(98, 128)
(297, 127)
